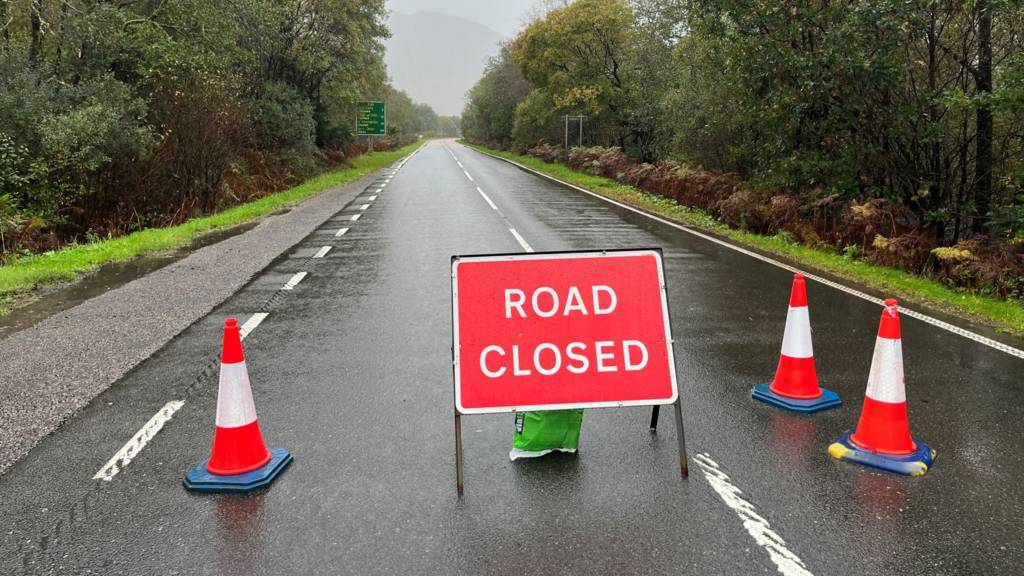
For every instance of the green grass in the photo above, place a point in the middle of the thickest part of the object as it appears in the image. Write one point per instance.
(1004, 315)
(19, 278)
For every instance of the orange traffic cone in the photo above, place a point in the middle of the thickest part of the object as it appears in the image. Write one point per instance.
(795, 386)
(882, 437)
(240, 461)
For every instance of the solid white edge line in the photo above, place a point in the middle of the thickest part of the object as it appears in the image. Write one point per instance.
(521, 240)
(341, 233)
(493, 207)
(131, 449)
(251, 324)
(322, 252)
(294, 281)
(785, 560)
(355, 217)
(995, 344)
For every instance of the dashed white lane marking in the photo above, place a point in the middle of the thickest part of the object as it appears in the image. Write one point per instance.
(341, 233)
(364, 206)
(251, 324)
(372, 198)
(460, 164)
(995, 344)
(130, 450)
(521, 240)
(294, 281)
(788, 563)
(138, 441)
(355, 217)
(468, 176)
(493, 207)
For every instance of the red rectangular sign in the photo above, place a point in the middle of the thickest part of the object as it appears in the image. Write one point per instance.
(561, 330)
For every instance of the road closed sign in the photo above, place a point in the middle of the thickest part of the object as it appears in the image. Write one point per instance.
(561, 330)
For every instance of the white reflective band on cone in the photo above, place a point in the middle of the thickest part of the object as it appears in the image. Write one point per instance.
(796, 343)
(234, 400)
(885, 381)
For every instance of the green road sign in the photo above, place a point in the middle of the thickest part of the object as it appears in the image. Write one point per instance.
(371, 119)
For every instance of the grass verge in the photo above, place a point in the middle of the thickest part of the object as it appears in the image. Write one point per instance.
(19, 278)
(1003, 315)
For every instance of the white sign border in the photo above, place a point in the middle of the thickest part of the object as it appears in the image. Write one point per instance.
(669, 340)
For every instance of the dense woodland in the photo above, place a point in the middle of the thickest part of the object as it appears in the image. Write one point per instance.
(891, 130)
(116, 115)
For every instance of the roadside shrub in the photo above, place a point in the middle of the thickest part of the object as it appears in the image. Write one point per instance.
(740, 210)
(981, 264)
(56, 138)
(283, 123)
(908, 251)
(546, 152)
(874, 229)
(202, 134)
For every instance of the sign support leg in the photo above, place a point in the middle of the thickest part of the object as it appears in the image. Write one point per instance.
(458, 453)
(684, 468)
(654, 417)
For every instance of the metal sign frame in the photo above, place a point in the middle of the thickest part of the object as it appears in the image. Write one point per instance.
(674, 400)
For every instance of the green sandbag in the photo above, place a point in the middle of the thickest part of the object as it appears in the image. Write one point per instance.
(540, 433)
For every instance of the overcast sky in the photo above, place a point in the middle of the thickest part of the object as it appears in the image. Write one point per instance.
(438, 48)
(503, 16)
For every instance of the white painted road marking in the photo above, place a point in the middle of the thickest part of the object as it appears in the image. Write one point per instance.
(788, 563)
(291, 284)
(323, 252)
(251, 324)
(341, 233)
(995, 344)
(138, 441)
(130, 450)
(372, 198)
(355, 217)
(468, 176)
(521, 240)
(493, 207)
(364, 206)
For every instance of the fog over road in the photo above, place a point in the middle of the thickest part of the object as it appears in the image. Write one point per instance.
(351, 370)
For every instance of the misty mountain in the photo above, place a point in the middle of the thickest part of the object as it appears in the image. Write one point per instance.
(504, 16)
(436, 58)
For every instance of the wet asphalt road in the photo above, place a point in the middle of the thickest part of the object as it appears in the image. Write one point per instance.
(351, 371)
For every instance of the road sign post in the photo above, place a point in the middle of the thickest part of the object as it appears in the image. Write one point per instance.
(578, 118)
(557, 331)
(371, 120)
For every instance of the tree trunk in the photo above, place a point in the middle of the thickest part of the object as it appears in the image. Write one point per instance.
(983, 156)
(3, 22)
(35, 48)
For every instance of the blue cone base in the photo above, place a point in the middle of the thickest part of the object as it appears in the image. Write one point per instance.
(199, 480)
(828, 399)
(915, 464)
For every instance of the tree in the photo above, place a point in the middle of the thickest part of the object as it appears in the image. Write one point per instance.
(489, 115)
(578, 55)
